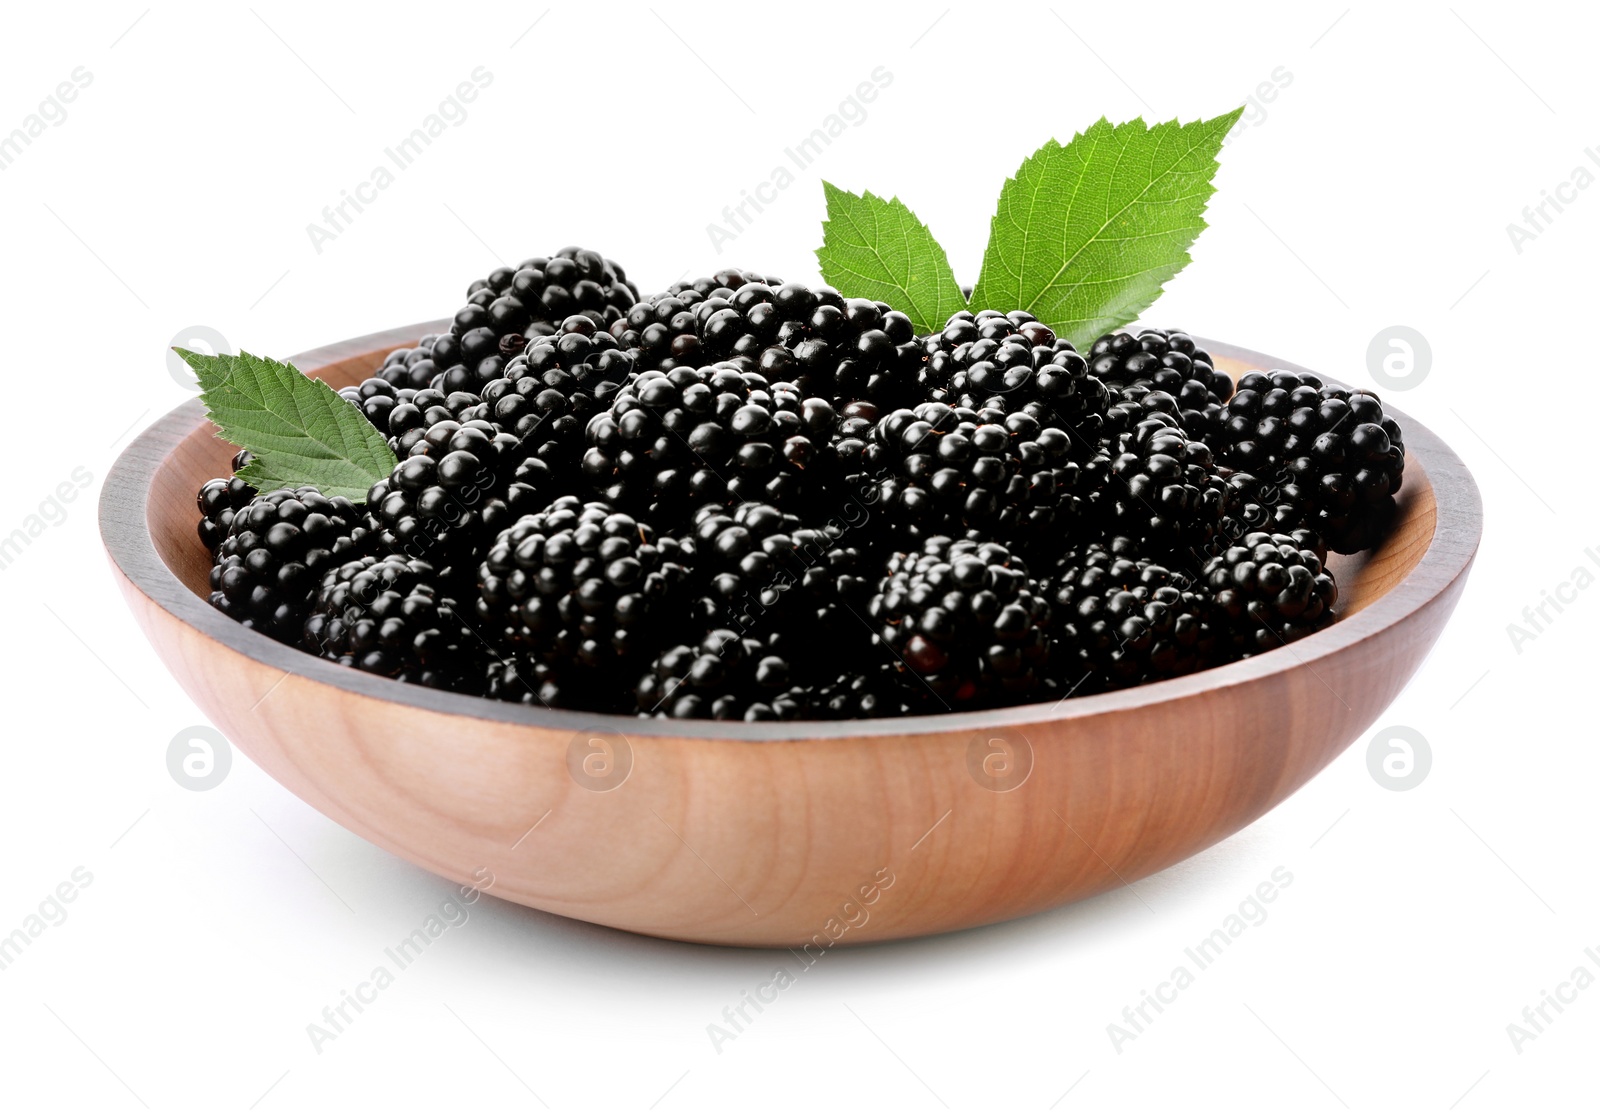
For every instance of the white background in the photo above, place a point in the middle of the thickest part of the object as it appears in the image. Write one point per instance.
(1374, 191)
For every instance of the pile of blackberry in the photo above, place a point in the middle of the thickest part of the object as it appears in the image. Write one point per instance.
(745, 499)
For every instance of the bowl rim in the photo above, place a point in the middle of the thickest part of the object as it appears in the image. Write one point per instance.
(126, 533)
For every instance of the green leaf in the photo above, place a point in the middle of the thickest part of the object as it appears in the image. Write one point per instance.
(1086, 234)
(877, 249)
(298, 430)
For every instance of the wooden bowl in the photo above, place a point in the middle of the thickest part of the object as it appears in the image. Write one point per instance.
(787, 834)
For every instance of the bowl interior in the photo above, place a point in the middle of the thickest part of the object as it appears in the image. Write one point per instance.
(171, 514)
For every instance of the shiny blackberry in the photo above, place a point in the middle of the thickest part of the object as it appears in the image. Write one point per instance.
(411, 366)
(1164, 493)
(377, 398)
(392, 616)
(946, 471)
(521, 677)
(1012, 362)
(581, 584)
(530, 300)
(841, 350)
(1275, 505)
(405, 414)
(1167, 361)
(877, 691)
(673, 441)
(1269, 590)
(1344, 455)
(1118, 621)
(965, 620)
(219, 499)
(746, 560)
(276, 549)
(759, 572)
(660, 330)
(1136, 403)
(550, 391)
(725, 677)
(459, 484)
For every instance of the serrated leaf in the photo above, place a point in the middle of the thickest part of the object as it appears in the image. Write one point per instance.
(298, 430)
(1086, 234)
(875, 248)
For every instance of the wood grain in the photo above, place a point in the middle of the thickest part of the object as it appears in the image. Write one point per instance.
(778, 834)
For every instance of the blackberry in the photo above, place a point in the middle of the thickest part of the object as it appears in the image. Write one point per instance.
(1167, 361)
(1269, 590)
(1009, 363)
(841, 350)
(581, 584)
(724, 677)
(746, 560)
(660, 330)
(1120, 621)
(389, 615)
(830, 347)
(557, 385)
(759, 572)
(948, 472)
(219, 499)
(378, 398)
(528, 301)
(673, 441)
(405, 414)
(521, 677)
(1164, 494)
(828, 601)
(411, 366)
(1136, 403)
(1343, 454)
(965, 619)
(276, 549)
(459, 485)
(879, 691)
(1276, 505)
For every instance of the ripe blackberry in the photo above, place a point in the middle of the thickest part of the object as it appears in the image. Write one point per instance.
(947, 472)
(965, 619)
(828, 601)
(405, 414)
(1120, 621)
(761, 574)
(673, 441)
(391, 616)
(1269, 590)
(521, 677)
(661, 330)
(1136, 403)
(745, 561)
(1167, 361)
(878, 691)
(528, 301)
(556, 386)
(276, 549)
(411, 366)
(219, 499)
(1344, 455)
(1164, 494)
(582, 584)
(1013, 362)
(378, 398)
(1275, 505)
(459, 484)
(857, 456)
(724, 677)
(841, 350)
